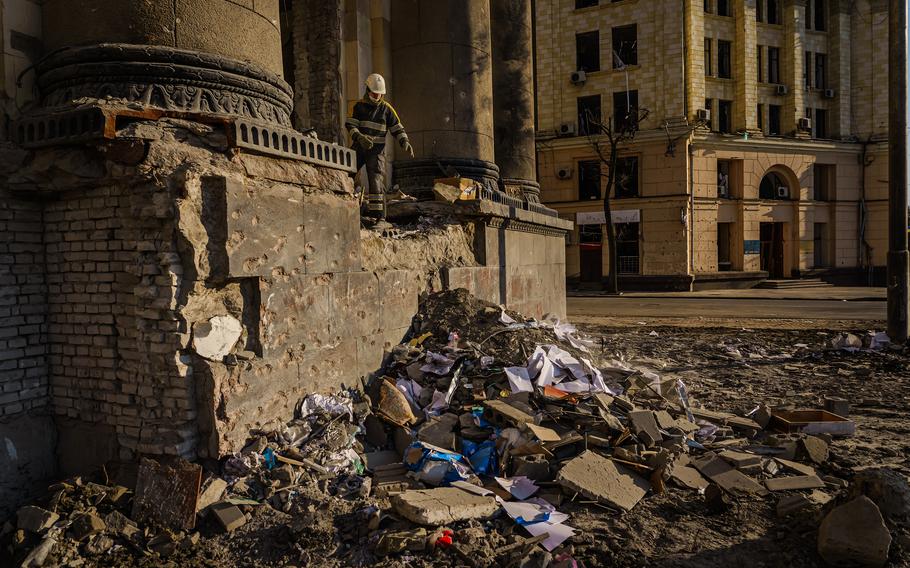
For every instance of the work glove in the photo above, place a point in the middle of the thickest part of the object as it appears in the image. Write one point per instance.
(406, 146)
(362, 141)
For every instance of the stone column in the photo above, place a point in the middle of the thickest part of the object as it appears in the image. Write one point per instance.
(695, 60)
(745, 115)
(513, 96)
(840, 42)
(443, 91)
(793, 64)
(206, 56)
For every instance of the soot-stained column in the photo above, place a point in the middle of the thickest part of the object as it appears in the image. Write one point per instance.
(443, 91)
(513, 96)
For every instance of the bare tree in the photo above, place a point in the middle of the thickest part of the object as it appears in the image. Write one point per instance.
(606, 136)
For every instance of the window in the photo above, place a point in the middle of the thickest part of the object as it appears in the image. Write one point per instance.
(709, 60)
(759, 50)
(625, 110)
(820, 21)
(625, 46)
(760, 117)
(774, 120)
(579, 4)
(773, 11)
(589, 180)
(708, 6)
(588, 110)
(626, 177)
(587, 51)
(807, 69)
(824, 176)
(628, 258)
(724, 59)
(708, 107)
(724, 231)
(590, 234)
(808, 14)
(820, 125)
(759, 10)
(774, 65)
(723, 178)
(725, 116)
(821, 71)
(723, 8)
(773, 186)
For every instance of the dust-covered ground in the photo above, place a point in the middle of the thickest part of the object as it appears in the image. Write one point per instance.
(727, 365)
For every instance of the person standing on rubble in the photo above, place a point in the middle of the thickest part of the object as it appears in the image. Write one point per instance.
(372, 118)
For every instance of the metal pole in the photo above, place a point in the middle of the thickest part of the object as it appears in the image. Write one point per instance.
(898, 256)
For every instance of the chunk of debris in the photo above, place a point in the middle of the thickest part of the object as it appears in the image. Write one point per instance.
(604, 480)
(725, 476)
(644, 426)
(442, 505)
(229, 516)
(35, 519)
(791, 504)
(814, 449)
(740, 460)
(85, 525)
(393, 542)
(854, 534)
(215, 338)
(888, 489)
(212, 492)
(167, 492)
(794, 483)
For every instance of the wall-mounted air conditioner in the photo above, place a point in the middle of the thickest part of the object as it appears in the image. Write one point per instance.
(566, 129)
(564, 172)
(780, 90)
(578, 77)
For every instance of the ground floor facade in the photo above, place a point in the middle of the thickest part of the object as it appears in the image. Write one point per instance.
(695, 211)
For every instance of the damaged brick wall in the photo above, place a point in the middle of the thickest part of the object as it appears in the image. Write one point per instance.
(26, 429)
(318, 96)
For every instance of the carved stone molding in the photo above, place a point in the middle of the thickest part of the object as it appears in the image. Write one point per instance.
(166, 78)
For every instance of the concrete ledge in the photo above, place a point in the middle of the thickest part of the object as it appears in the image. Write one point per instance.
(486, 208)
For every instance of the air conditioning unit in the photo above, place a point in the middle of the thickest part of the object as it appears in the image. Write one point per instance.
(829, 94)
(564, 172)
(805, 124)
(578, 77)
(783, 191)
(780, 90)
(566, 129)
(703, 115)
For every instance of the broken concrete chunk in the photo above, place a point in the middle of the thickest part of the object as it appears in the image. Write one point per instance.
(644, 426)
(793, 483)
(887, 488)
(854, 534)
(837, 405)
(99, 545)
(215, 338)
(604, 480)
(119, 524)
(814, 449)
(724, 475)
(502, 413)
(230, 517)
(35, 519)
(688, 476)
(792, 504)
(86, 525)
(797, 467)
(439, 431)
(535, 467)
(212, 492)
(399, 541)
(442, 505)
(740, 460)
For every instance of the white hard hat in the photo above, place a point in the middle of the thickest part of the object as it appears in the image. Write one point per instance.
(376, 84)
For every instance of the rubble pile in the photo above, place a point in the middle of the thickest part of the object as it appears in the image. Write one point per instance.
(486, 440)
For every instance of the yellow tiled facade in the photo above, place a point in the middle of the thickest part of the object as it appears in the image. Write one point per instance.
(803, 197)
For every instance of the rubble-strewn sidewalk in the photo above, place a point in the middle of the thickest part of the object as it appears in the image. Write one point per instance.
(491, 440)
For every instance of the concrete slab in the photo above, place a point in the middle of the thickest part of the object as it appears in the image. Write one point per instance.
(442, 506)
(728, 478)
(793, 483)
(602, 479)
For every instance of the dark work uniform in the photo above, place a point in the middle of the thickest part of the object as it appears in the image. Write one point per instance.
(373, 120)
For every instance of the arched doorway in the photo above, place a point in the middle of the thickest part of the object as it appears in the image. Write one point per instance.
(778, 190)
(774, 186)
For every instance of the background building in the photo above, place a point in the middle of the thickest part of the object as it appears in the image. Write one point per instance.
(764, 154)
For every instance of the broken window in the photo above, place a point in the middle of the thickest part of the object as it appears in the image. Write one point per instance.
(724, 59)
(724, 231)
(587, 51)
(725, 116)
(708, 106)
(625, 110)
(821, 71)
(820, 125)
(626, 177)
(760, 10)
(709, 61)
(723, 178)
(628, 254)
(807, 70)
(588, 180)
(589, 114)
(773, 11)
(759, 50)
(774, 120)
(625, 46)
(774, 65)
(723, 8)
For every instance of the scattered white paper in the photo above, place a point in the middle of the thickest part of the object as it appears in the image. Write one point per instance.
(518, 379)
(549, 520)
(520, 486)
(505, 318)
(437, 364)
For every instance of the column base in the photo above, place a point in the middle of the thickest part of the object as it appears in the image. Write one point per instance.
(527, 189)
(415, 177)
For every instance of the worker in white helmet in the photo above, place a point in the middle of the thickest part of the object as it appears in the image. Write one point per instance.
(372, 118)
